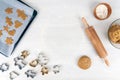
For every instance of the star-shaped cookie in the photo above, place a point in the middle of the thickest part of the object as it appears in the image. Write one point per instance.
(9, 10)
(18, 24)
(9, 40)
(12, 32)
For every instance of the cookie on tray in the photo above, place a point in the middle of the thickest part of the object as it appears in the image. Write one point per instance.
(9, 10)
(9, 21)
(9, 40)
(18, 24)
(12, 32)
(21, 14)
(6, 28)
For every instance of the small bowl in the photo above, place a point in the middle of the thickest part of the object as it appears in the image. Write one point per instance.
(109, 11)
(116, 22)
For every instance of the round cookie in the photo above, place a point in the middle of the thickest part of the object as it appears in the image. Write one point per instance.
(84, 62)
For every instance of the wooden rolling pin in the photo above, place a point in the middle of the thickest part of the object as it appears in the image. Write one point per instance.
(91, 33)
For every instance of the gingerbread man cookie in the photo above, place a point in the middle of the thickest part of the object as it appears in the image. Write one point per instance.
(9, 21)
(21, 14)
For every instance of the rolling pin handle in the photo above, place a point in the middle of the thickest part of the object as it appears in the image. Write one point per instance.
(85, 22)
(106, 61)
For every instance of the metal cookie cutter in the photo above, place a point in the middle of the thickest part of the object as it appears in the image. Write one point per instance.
(13, 75)
(42, 59)
(56, 69)
(20, 62)
(31, 73)
(4, 67)
(18, 58)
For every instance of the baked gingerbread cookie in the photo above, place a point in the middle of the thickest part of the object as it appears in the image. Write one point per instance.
(84, 62)
(18, 24)
(9, 10)
(21, 14)
(9, 21)
(9, 40)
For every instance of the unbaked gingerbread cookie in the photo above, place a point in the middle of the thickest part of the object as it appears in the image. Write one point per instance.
(6, 28)
(18, 24)
(12, 32)
(9, 10)
(9, 21)
(9, 40)
(21, 14)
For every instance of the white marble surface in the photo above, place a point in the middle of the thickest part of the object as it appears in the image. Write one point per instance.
(58, 32)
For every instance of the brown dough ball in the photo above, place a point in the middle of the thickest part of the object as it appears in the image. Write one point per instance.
(84, 62)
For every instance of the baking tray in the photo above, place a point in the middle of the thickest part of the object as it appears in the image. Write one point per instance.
(15, 17)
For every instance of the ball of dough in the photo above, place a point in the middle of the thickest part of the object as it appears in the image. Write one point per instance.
(84, 62)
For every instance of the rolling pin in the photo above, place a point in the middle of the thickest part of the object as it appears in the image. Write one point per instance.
(95, 40)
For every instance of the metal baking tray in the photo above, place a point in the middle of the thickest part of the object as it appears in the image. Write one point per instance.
(15, 17)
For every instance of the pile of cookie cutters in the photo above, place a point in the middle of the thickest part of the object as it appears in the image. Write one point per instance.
(21, 62)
